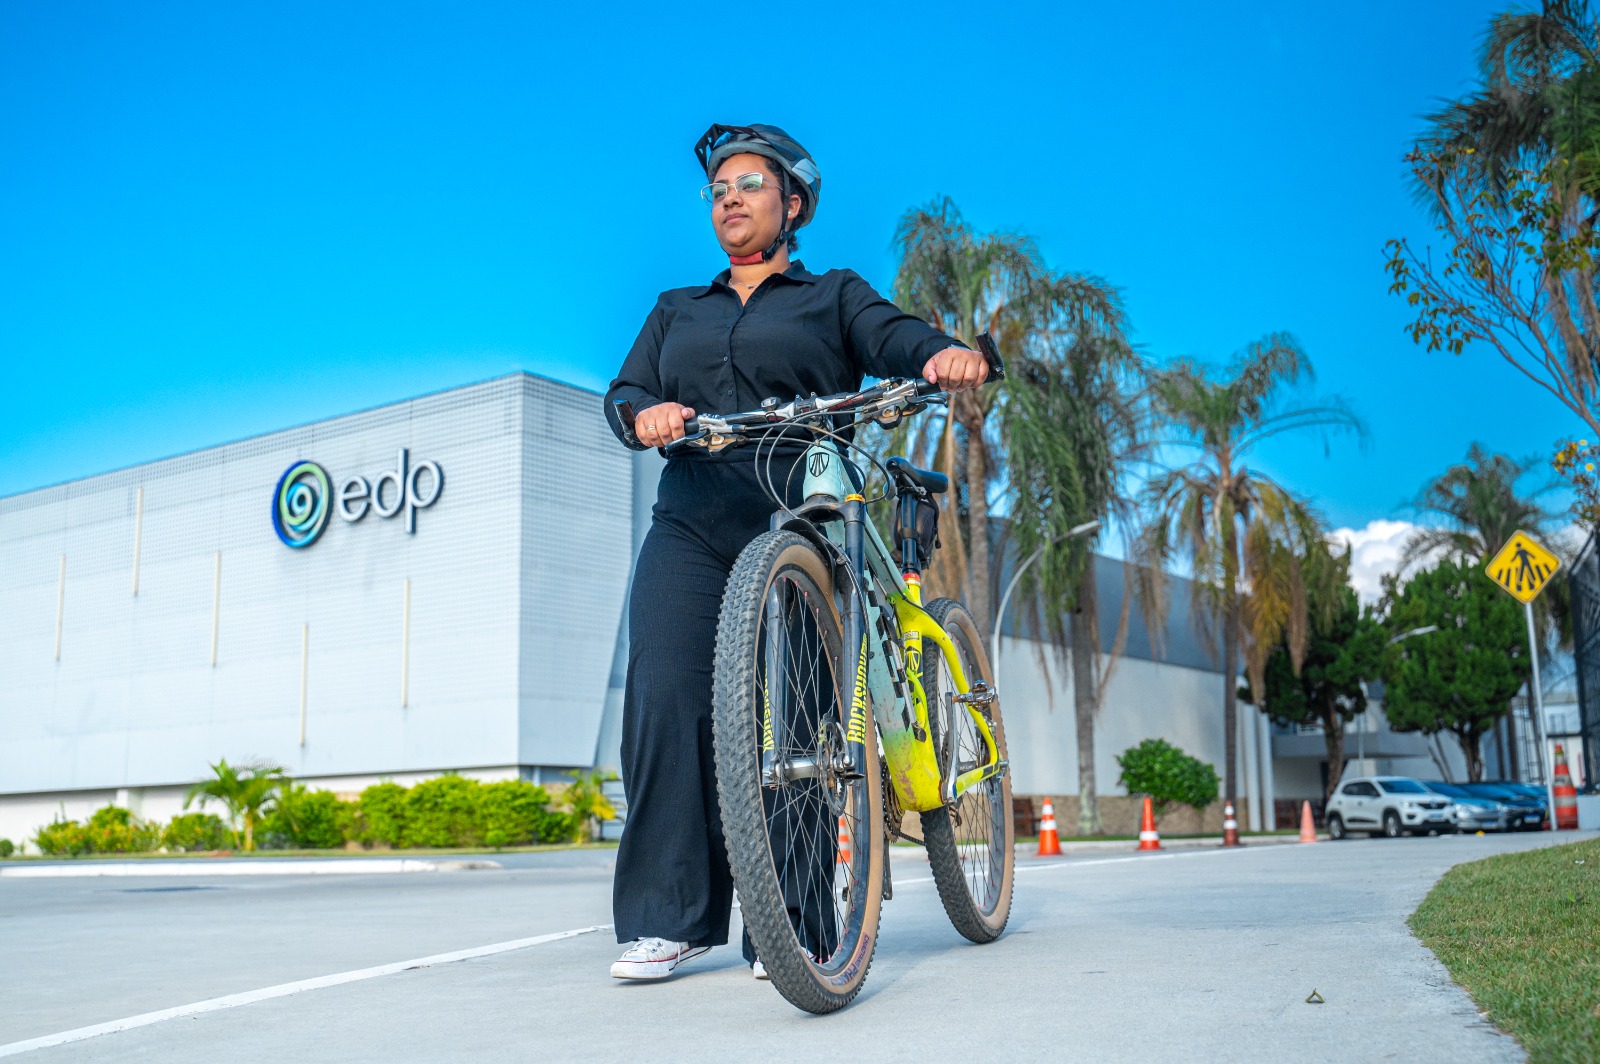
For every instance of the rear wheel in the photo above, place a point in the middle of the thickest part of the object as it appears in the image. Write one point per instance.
(971, 847)
(806, 842)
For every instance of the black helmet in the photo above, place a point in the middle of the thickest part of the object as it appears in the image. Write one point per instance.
(719, 142)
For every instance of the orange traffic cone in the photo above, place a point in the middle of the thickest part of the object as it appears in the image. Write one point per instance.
(1308, 826)
(1049, 840)
(1230, 825)
(1565, 817)
(844, 842)
(1149, 837)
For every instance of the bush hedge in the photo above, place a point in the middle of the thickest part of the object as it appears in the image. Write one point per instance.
(7, 848)
(447, 811)
(1168, 775)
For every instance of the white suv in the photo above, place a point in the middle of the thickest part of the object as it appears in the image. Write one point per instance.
(1386, 805)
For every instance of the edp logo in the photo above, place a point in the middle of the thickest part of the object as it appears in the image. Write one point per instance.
(300, 504)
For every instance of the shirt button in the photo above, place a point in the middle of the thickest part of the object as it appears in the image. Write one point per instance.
(724, 358)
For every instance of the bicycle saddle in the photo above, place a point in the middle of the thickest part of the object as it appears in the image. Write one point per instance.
(907, 475)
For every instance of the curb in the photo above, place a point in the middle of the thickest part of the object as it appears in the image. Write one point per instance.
(244, 868)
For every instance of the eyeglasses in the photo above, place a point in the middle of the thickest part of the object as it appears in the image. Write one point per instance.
(714, 193)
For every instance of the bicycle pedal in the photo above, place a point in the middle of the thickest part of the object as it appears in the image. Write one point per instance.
(980, 695)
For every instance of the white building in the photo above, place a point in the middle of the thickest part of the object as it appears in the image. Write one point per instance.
(457, 605)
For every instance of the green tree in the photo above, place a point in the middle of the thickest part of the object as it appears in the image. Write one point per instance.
(245, 791)
(1511, 172)
(1343, 650)
(1461, 678)
(1242, 531)
(1157, 768)
(966, 283)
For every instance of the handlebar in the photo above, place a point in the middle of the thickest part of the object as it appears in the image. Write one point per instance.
(891, 400)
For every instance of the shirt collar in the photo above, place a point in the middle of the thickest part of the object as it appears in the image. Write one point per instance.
(796, 272)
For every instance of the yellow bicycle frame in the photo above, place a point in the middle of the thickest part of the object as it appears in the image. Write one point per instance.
(903, 730)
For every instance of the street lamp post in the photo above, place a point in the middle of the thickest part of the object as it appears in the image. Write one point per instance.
(999, 615)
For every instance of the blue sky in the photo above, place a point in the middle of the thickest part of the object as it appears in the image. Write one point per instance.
(221, 219)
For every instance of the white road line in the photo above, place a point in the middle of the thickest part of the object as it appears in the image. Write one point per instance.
(250, 997)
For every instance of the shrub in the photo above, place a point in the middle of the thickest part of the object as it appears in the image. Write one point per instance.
(514, 812)
(62, 838)
(190, 832)
(113, 829)
(444, 812)
(7, 848)
(1167, 774)
(308, 820)
(381, 812)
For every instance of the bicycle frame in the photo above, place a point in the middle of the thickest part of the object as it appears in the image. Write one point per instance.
(890, 681)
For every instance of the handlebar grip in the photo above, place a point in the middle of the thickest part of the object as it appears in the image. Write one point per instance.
(624, 410)
(927, 387)
(991, 355)
(691, 426)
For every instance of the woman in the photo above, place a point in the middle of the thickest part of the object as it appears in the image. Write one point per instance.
(764, 327)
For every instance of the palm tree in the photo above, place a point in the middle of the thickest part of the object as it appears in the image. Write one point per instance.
(1243, 532)
(245, 791)
(1539, 100)
(966, 283)
(1071, 429)
(1479, 501)
(1532, 126)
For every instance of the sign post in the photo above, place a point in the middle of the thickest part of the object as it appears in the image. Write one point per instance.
(1523, 568)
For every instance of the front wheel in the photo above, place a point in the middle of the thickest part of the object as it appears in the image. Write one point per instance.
(1391, 825)
(805, 837)
(1336, 830)
(971, 846)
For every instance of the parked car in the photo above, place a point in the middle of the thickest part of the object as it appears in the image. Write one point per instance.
(1529, 805)
(1470, 811)
(1386, 805)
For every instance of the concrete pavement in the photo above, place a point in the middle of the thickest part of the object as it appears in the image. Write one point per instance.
(1196, 954)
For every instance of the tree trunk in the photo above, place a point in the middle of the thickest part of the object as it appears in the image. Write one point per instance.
(1084, 689)
(1472, 750)
(978, 593)
(1230, 698)
(249, 833)
(1333, 738)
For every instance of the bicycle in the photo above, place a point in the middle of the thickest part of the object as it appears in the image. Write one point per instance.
(829, 721)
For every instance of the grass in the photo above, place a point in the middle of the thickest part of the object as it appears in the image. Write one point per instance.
(1521, 932)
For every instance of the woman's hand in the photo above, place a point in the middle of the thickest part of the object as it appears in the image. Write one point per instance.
(659, 425)
(956, 369)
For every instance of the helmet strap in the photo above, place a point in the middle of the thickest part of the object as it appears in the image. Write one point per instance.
(783, 228)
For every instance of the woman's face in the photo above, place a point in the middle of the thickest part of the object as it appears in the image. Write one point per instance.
(746, 223)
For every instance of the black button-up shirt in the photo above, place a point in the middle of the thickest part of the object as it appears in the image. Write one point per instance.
(797, 334)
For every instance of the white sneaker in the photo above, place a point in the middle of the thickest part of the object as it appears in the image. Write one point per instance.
(654, 958)
(758, 969)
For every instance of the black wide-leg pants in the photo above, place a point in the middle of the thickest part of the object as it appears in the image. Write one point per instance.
(672, 879)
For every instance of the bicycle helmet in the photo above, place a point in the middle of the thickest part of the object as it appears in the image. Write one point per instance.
(797, 172)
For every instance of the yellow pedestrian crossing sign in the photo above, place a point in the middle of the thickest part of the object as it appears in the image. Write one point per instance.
(1523, 567)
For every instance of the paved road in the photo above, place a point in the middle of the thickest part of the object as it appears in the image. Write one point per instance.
(1192, 955)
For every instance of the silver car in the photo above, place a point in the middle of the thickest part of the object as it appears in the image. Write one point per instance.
(1386, 805)
(1473, 812)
